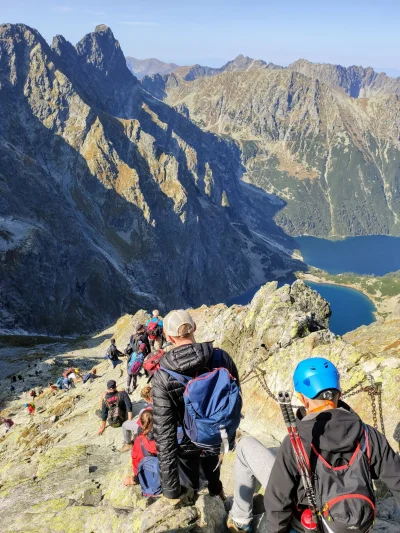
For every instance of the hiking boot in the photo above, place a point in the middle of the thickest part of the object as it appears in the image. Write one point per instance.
(126, 448)
(236, 528)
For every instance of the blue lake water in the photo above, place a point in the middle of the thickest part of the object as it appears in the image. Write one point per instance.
(350, 308)
(375, 254)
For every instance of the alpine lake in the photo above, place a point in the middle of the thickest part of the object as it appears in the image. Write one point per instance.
(375, 254)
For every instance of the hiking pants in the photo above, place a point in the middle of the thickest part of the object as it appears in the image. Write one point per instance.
(253, 462)
(131, 379)
(190, 467)
(128, 427)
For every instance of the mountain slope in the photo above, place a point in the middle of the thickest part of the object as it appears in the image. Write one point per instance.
(148, 67)
(72, 477)
(333, 160)
(110, 197)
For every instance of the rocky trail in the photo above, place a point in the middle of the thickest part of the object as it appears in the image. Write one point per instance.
(58, 475)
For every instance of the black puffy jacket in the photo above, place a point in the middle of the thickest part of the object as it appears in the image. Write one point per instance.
(168, 412)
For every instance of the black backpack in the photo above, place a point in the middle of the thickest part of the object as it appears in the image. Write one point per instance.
(115, 417)
(344, 493)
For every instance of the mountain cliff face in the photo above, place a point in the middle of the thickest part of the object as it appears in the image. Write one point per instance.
(148, 67)
(72, 477)
(357, 82)
(333, 159)
(110, 197)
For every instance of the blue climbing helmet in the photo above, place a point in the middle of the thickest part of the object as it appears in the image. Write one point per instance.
(314, 375)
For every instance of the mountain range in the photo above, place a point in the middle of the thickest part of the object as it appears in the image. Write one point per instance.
(111, 199)
(323, 138)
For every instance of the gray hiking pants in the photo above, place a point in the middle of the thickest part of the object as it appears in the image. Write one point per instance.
(253, 462)
(128, 427)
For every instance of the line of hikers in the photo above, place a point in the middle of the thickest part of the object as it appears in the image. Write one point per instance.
(191, 416)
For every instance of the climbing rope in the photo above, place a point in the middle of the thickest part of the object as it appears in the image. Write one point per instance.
(374, 389)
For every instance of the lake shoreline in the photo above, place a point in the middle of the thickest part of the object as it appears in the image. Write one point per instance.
(380, 307)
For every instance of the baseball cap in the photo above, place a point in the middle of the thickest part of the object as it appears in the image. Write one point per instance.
(139, 327)
(111, 384)
(174, 320)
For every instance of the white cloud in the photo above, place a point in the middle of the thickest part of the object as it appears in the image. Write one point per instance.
(62, 9)
(137, 23)
(91, 12)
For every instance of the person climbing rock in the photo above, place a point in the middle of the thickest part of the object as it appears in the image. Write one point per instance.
(334, 437)
(145, 446)
(134, 367)
(116, 408)
(253, 463)
(8, 423)
(30, 407)
(140, 337)
(154, 329)
(190, 359)
(134, 426)
(113, 354)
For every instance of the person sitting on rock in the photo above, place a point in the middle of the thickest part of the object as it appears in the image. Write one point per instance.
(8, 423)
(154, 329)
(134, 426)
(334, 438)
(144, 443)
(113, 354)
(253, 465)
(189, 359)
(116, 408)
(140, 337)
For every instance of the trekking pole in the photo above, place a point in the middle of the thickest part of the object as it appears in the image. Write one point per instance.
(312, 522)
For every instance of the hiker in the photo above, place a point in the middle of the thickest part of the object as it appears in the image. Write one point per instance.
(336, 440)
(90, 376)
(139, 338)
(134, 367)
(116, 407)
(187, 358)
(144, 459)
(8, 423)
(113, 354)
(33, 393)
(31, 408)
(154, 329)
(135, 425)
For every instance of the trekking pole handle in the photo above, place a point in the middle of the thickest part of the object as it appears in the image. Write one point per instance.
(284, 408)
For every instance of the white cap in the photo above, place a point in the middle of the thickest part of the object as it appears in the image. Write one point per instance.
(174, 320)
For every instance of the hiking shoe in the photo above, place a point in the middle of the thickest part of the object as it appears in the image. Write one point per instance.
(126, 448)
(236, 528)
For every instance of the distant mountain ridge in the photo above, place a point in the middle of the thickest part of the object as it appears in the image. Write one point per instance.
(148, 67)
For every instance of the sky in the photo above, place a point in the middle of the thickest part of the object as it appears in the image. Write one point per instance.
(211, 32)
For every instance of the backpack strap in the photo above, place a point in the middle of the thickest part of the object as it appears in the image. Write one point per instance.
(145, 451)
(366, 447)
(216, 358)
(184, 380)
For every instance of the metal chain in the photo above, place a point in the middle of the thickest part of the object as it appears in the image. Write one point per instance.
(373, 390)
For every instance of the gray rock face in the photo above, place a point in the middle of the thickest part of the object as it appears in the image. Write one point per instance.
(109, 197)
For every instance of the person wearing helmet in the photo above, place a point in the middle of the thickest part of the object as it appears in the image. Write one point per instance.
(334, 438)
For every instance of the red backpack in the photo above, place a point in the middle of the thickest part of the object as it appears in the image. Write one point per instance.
(152, 364)
(154, 330)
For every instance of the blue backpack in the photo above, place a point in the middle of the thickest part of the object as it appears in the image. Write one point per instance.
(135, 363)
(213, 405)
(149, 473)
(59, 382)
